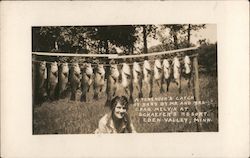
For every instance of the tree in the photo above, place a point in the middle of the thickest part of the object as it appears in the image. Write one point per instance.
(63, 39)
(119, 35)
(208, 56)
(179, 35)
(145, 48)
(147, 31)
(174, 38)
(174, 31)
(81, 39)
(193, 28)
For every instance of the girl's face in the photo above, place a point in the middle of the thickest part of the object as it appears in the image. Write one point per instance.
(120, 111)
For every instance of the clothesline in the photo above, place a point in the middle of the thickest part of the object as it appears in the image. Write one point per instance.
(114, 56)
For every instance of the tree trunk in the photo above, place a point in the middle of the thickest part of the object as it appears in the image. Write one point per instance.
(175, 40)
(131, 52)
(145, 41)
(189, 34)
(99, 48)
(106, 46)
(56, 46)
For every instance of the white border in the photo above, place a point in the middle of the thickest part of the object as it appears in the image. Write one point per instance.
(231, 18)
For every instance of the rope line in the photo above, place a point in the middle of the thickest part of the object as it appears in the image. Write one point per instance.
(105, 65)
(154, 54)
(74, 55)
(114, 56)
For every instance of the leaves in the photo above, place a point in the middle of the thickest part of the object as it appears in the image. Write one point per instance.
(208, 57)
(124, 39)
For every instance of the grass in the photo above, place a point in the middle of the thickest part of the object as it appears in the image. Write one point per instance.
(75, 117)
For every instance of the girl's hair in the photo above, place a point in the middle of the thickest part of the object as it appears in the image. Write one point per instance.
(121, 99)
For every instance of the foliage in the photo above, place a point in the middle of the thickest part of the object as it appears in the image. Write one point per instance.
(178, 35)
(82, 39)
(107, 39)
(208, 57)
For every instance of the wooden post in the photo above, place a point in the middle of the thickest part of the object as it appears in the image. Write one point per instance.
(196, 79)
(145, 48)
(197, 90)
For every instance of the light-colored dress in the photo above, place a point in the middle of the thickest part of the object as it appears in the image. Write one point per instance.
(106, 125)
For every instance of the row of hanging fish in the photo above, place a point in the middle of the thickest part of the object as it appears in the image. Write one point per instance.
(53, 80)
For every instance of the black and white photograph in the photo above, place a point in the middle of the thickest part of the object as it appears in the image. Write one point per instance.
(124, 79)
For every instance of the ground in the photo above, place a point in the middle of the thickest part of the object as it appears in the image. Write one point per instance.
(75, 117)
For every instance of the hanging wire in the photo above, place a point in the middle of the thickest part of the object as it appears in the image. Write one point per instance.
(157, 55)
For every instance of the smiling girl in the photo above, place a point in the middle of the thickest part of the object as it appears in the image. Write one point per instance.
(117, 121)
